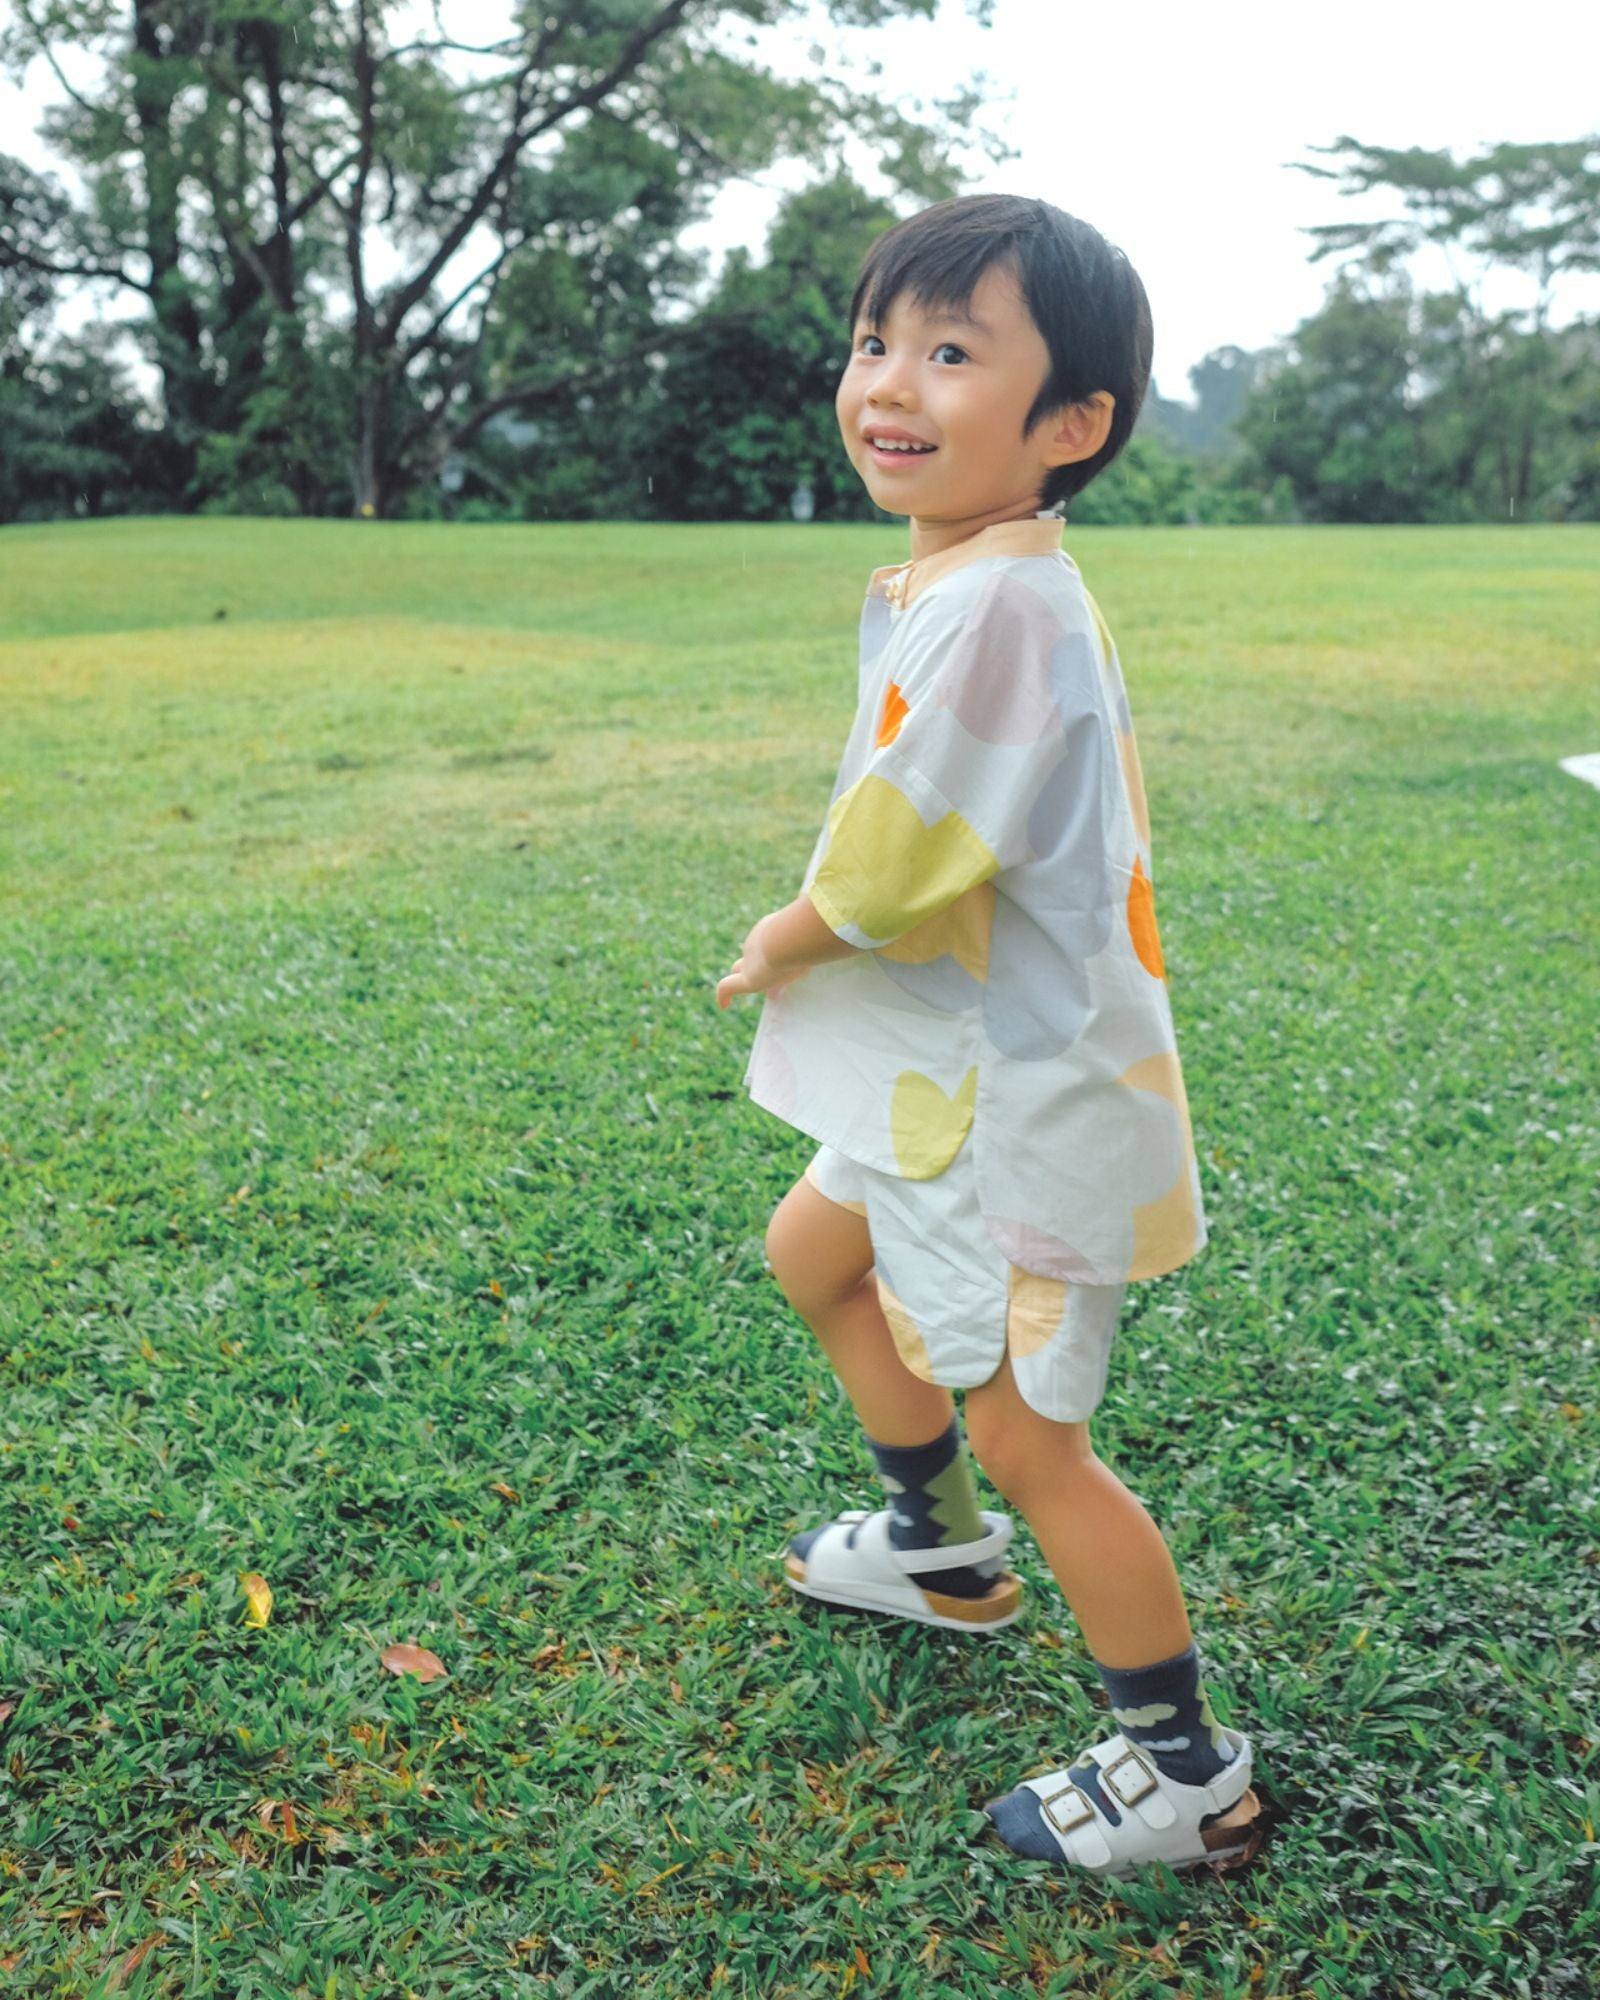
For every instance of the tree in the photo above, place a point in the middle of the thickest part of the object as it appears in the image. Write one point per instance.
(744, 406)
(1534, 208)
(1334, 415)
(243, 161)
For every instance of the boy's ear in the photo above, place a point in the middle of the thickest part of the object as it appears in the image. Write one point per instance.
(1078, 430)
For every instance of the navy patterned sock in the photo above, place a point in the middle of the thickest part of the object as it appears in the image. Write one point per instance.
(933, 1500)
(1165, 1710)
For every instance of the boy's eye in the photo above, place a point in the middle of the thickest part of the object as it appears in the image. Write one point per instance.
(943, 344)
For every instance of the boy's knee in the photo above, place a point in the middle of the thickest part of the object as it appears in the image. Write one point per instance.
(814, 1276)
(772, 1245)
(784, 1257)
(1016, 1447)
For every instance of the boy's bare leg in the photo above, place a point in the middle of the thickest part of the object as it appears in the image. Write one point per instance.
(821, 1256)
(895, 1406)
(1110, 1559)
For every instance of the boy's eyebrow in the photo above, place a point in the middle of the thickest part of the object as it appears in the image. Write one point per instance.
(954, 316)
(964, 319)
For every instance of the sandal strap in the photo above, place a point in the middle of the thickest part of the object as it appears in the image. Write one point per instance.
(1137, 1786)
(953, 1555)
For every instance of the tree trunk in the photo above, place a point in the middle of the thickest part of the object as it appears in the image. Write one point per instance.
(179, 355)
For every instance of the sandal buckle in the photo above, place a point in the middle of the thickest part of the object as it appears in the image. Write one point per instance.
(1136, 1791)
(1081, 1814)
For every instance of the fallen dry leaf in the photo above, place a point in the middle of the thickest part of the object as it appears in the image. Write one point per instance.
(407, 1659)
(130, 1964)
(285, 1811)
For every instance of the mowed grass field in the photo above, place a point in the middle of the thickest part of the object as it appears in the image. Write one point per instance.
(383, 1215)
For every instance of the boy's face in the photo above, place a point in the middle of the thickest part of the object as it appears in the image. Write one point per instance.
(964, 389)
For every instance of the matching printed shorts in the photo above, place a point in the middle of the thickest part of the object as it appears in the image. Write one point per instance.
(955, 1305)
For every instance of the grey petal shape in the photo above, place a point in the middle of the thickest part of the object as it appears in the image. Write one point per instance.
(1037, 1000)
(1066, 827)
(875, 627)
(1075, 675)
(943, 983)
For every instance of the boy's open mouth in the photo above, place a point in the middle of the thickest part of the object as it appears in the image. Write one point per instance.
(898, 454)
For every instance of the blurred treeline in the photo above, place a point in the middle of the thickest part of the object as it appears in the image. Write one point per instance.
(244, 165)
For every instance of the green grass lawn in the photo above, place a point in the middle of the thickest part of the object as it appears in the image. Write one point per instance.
(383, 1213)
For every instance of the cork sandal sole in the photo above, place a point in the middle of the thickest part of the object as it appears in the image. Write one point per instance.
(1226, 1850)
(999, 1605)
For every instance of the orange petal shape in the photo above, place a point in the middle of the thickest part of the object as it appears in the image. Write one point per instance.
(895, 711)
(1142, 921)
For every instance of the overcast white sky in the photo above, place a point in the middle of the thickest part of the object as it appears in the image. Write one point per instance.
(1171, 127)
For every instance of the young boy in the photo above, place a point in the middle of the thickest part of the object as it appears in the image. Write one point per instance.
(967, 1007)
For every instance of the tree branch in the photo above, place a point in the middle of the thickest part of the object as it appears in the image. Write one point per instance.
(652, 30)
(10, 253)
(435, 48)
(525, 393)
(413, 348)
(48, 53)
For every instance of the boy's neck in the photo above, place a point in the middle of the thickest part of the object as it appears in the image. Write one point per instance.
(929, 537)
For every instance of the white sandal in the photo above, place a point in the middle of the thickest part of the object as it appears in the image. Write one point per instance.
(853, 1562)
(1160, 1817)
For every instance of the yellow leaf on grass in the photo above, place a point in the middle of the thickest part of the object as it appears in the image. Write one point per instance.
(258, 1597)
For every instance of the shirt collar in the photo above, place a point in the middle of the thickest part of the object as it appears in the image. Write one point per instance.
(902, 583)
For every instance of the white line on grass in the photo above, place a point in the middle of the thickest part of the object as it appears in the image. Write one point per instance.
(1586, 767)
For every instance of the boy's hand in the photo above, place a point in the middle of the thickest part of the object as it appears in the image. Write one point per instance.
(753, 972)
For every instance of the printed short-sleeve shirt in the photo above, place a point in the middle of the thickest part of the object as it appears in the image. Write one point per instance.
(987, 846)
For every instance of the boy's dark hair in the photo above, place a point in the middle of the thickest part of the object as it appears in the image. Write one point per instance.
(1084, 295)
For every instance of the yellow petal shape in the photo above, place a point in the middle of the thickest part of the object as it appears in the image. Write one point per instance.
(962, 929)
(883, 870)
(1133, 783)
(926, 1126)
(908, 1341)
(1035, 1308)
(1166, 1231)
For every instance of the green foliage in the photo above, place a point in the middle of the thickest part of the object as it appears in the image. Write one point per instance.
(75, 438)
(1392, 407)
(247, 161)
(285, 451)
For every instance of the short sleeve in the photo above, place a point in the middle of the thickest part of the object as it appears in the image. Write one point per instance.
(963, 755)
